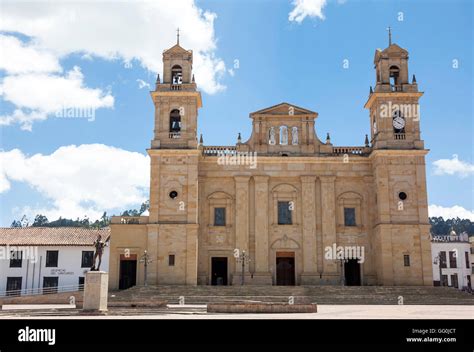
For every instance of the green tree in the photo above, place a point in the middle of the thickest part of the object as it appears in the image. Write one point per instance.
(40, 221)
(16, 223)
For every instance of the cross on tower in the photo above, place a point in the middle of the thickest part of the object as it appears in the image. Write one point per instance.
(389, 29)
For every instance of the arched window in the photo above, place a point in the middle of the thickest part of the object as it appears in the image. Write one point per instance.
(271, 136)
(283, 135)
(294, 135)
(175, 121)
(176, 75)
(394, 75)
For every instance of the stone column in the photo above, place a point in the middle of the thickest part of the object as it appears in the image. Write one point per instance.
(152, 249)
(309, 275)
(241, 219)
(328, 210)
(383, 253)
(155, 161)
(262, 273)
(191, 254)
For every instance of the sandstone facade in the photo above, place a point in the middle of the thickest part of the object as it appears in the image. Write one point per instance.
(209, 204)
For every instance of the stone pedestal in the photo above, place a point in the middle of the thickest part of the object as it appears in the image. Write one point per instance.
(95, 291)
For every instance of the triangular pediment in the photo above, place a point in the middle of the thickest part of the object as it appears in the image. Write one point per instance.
(394, 48)
(284, 109)
(177, 49)
(392, 51)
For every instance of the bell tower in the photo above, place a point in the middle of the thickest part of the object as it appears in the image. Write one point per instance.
(393, 103)
(401, 230)
(177, 101)
(173, 221)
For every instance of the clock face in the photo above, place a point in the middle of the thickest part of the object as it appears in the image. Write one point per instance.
(399, 123)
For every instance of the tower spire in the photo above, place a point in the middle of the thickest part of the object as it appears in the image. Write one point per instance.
(177, 36)
(389, 29)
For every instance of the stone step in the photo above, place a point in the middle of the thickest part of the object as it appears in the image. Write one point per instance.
(313, 294)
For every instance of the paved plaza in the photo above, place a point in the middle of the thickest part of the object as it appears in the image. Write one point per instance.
(324, 312)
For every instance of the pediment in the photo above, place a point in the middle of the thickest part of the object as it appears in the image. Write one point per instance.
(392, 51)
(176, 50)
(284, 109)
(394, 48)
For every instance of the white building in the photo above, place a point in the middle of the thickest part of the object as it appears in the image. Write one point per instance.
(471, 241)
(454, 254)
(47, 259)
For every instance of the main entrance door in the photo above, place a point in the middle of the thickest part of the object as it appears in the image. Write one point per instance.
(219, 271)
(285, 272)
(352, 272)
(128, 272)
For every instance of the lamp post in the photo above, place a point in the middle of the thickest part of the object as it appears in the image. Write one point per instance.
(145, 259)
(242, 258)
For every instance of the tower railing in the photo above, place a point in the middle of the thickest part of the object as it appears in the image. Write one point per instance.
(175, 135)
(219, 150)
(396, 87)
(400, 136)
(348, 150)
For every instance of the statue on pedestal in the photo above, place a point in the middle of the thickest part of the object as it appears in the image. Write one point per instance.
(99, 250)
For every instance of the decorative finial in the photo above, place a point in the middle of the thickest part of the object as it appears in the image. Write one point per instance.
(366, 140)
(371, 90)
(413, 79)
(389, 29)
(158, 81)
(193, 78)
(177, 36)
(239, 138)
(201, 141)
(328, 139)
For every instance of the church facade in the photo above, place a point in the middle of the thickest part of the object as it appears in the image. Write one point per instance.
(283, 207)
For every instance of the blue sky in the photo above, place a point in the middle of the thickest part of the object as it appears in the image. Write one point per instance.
(298, 61)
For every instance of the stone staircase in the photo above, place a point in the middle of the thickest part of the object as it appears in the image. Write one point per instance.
(357, 295)
(113, 311)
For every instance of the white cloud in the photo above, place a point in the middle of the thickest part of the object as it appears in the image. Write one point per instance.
(453, 166)
(455, 211)
(28, 91)
(18, 57)
(125, 30)
(38, 95)
(25, 119)
(143, 84)
(307, 8)
(79, 180)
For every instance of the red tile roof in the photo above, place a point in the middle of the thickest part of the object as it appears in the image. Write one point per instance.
(51, 236)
